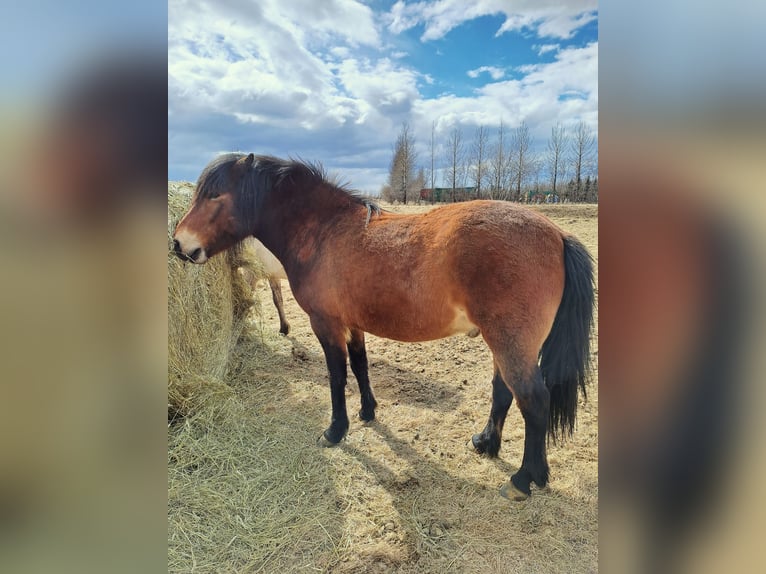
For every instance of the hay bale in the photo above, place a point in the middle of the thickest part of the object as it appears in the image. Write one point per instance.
(208, 307)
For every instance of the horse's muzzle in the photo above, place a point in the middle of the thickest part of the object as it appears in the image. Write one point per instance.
(192, 257)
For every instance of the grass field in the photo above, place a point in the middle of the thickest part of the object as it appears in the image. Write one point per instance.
(248, 490)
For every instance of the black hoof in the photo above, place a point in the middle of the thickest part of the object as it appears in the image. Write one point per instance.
(324, 443)
(521, 481)
(485, 445)
(332, 436)
(284, 330)
(479, 443)
(367, 416)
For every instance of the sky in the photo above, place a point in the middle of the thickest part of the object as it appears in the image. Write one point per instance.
(333, 81)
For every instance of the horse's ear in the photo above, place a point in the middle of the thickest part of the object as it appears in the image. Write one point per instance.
(246, 162)
(242, 165)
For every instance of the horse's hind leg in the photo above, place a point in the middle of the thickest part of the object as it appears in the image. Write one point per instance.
(533, 399)
(276, 294)
(357, 355)
(488, 441)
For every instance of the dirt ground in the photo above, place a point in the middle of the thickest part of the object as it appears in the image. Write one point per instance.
(406, 493)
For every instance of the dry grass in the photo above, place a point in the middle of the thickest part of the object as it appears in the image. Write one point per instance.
(207, 310)
(249, 491)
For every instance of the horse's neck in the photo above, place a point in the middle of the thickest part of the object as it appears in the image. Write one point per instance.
(292, 227)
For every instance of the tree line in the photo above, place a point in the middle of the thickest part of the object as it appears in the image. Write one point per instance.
(501, 167)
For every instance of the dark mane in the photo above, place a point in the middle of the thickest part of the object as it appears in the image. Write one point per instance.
(213, 177)
(270, 173)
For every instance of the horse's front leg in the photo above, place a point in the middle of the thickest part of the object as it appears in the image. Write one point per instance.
(357, 356)
(332, 338)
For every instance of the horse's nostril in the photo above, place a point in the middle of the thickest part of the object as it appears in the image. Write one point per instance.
(194, 254)
(176, 246)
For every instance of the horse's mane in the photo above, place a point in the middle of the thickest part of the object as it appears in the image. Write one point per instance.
(270, 173)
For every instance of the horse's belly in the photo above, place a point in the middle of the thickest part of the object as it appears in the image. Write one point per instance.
(420, 326)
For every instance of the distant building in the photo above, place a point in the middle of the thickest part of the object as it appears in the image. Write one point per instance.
(444, 194)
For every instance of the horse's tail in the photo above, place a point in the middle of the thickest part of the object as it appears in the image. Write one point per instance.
(565, 355)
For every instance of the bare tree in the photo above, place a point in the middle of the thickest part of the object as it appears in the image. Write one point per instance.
(454, 174)
(402, 171)
(418, 184)
(432, 173)
(556, 164)
(581, 149)
(479, 158)
(520, 168)
(535, 171)
(498, 166)
(570, 191)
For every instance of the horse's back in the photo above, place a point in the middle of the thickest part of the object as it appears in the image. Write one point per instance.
(480, 237)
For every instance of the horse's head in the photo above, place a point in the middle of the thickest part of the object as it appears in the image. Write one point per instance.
(215, 219)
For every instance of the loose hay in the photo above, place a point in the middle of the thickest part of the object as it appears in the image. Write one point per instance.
(207, 310)
(247, 489)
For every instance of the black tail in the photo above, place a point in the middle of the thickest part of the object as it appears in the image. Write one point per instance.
(565, 356)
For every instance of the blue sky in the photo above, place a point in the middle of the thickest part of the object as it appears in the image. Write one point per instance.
(333, 81)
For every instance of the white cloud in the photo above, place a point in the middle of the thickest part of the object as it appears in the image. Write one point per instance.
(549, 18)
(545, 48)
(564, 25)
(283, 77)
(535, 98)
(381, 85)
(402, 17)
(314, 79)
(340, 51)
(237, 54)
(496, 73)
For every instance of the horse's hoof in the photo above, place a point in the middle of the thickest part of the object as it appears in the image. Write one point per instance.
(484, 446)
(366, 418)
(477, 443)
(509, 491)
(324, 442)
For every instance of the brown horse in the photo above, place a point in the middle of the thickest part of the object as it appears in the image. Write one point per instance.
(477, 267)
